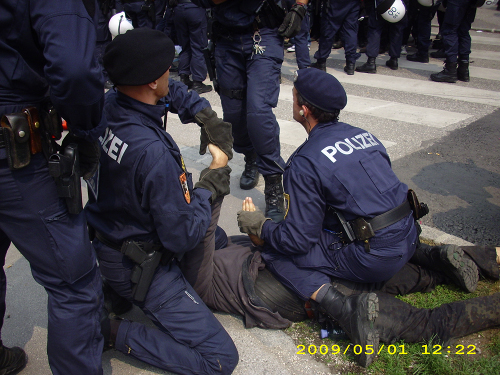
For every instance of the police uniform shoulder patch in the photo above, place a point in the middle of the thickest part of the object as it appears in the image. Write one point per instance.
(185, 188)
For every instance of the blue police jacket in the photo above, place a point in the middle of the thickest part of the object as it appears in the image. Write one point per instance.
(50, 44)
(344, 167)
(143, 190)
(233, 13)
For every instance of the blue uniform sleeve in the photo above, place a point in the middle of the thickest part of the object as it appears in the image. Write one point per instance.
(67, 36)
(183, 102)
(180, 224)
(303, 223)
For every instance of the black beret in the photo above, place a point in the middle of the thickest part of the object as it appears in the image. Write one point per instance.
(320, 89)
(138, 57)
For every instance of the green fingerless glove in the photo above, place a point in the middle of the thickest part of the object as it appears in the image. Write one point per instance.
(251, 222)
(215, 131)
(216, 181)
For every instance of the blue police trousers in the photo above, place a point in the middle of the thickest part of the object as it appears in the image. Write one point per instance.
(257, 76)
(188, 338)
(62, 260)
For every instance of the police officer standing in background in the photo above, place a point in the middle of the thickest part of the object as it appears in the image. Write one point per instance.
(339, 15)
(376, 24)
(47, 53)
(248, 57)
(457, 22)
(190, 23)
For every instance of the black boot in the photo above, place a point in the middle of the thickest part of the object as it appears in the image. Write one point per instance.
(417, 57)
(12, 359)
(449, 260)
(399, 320)
(485, 258)
(200, 87)
(439, 54)
(368, 67)
(185, 79)
(113, 302)
(356, 315)
(250, 176)
(319, 65)
(448, 74)
(392, 63)
(463, 71)
(275, 201)
(349, 67)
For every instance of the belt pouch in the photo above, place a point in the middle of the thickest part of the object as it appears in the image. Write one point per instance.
(16, 133)
(34, 124)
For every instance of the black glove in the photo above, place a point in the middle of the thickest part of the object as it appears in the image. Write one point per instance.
(291, 24)
(88, 153)
(215, 131)
(251, 222)
(215, 180)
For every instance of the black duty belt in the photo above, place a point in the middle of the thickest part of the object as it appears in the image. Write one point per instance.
(108, 242)
(146, 246)
(390, 217)
(362, 229)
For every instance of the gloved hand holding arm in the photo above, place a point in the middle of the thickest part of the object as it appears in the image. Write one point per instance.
(215, 131)
(291, 24)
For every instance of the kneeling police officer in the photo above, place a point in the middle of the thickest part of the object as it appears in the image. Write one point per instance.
(146, 213)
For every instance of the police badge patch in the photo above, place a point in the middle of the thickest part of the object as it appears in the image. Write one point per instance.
(185, 188)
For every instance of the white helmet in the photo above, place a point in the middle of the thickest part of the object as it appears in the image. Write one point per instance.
(119, 24)
(486, 3)
(391, 10)
(427, 3)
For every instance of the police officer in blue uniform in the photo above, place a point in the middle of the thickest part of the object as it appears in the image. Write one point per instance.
(457, 22)
(301, 40)
(339, 15)
(376, 24)
(190, 23)
(143, 13)
(348, 215)
(47, 52)
(145, 211)
(248, 57)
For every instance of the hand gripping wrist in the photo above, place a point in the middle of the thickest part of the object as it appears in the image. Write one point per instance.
(216, 181)
(215, 131)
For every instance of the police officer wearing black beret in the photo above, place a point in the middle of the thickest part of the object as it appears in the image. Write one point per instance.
(146, 212)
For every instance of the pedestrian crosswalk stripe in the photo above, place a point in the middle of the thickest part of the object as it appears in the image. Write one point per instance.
(413, 86)
(435, 118)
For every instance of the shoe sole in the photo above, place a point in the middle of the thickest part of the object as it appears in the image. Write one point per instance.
(367, 317)
(463, 271)
(443, 80)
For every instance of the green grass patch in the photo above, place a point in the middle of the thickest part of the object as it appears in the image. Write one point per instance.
(414, 361)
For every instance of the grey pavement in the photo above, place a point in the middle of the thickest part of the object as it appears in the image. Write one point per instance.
(430, 130)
